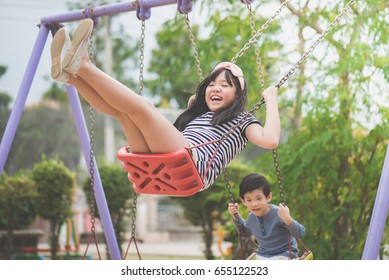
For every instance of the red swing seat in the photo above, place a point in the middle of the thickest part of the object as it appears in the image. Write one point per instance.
(170, 174)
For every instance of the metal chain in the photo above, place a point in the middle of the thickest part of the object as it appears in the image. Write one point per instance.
(91, 169)
(228, 181)
(141, 86)
(92, 160)
(278, 174)
(194, 48)
(256, 49)
(258, 33)
(141, 57)
(91, 144)
(134, 209)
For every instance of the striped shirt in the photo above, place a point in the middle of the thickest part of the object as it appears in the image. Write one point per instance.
(200, 131)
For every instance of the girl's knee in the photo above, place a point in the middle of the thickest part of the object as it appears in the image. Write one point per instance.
(145, 107)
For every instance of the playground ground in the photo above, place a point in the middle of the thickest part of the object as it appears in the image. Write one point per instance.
(180, 250)
(163, 250)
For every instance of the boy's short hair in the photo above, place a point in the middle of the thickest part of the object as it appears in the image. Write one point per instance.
(253, 182)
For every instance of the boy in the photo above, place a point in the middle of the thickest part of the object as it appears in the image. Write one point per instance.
(270, 224)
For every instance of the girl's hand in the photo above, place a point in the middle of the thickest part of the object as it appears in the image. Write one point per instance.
(284, 214)
(270, 93)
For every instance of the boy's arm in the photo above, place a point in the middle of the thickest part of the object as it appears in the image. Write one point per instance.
(240, 225)
(296, 229)
(239, 222)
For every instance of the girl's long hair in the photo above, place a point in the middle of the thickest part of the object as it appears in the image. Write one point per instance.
(199, 106)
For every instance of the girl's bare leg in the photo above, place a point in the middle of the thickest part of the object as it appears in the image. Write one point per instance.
(134, 136)
(160, 135)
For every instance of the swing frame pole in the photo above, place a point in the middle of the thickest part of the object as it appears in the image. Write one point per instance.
(379, 215)
(142, 7)
(109, 9)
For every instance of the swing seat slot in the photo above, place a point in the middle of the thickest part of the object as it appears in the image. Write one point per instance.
(307, 256)
(169, 174)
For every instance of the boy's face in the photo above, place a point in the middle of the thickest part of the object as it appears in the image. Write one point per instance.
(257, 203)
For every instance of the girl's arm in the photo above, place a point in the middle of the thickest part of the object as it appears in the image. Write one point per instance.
(267, 136)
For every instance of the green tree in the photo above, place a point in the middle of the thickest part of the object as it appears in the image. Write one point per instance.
(17, 206)
(55, 185)
(5, 100)
(118, 193)
(56, 92)
(333, 157)
(47, 129)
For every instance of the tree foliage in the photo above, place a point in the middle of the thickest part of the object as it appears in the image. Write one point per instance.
(332, 160)
(118, 193)
(17, 206)
(55, 186)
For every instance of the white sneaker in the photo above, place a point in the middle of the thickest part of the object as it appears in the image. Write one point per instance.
(80, 42)
(59, 45)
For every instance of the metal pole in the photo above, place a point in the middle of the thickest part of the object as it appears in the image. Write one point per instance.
(380, 213)
(98, 186)
(21, 98)
(104, 10)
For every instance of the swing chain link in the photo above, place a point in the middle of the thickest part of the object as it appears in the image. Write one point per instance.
(278, 174)
(228, 181)
(256, 49)
(91, 144)
(142, 55)
(141, 87)
(194, 48)
(91, 170)
(134, 209)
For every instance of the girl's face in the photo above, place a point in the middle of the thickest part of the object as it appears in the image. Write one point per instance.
(257, 203)
(219, 93)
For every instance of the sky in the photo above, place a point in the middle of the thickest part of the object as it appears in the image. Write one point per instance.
(19, 30)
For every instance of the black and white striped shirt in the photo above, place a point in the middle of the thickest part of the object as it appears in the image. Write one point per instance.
(200, 131)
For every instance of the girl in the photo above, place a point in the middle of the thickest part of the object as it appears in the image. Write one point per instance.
(217, 106)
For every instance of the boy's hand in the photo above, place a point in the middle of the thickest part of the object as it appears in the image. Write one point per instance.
(284, 214)
(233, 209)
